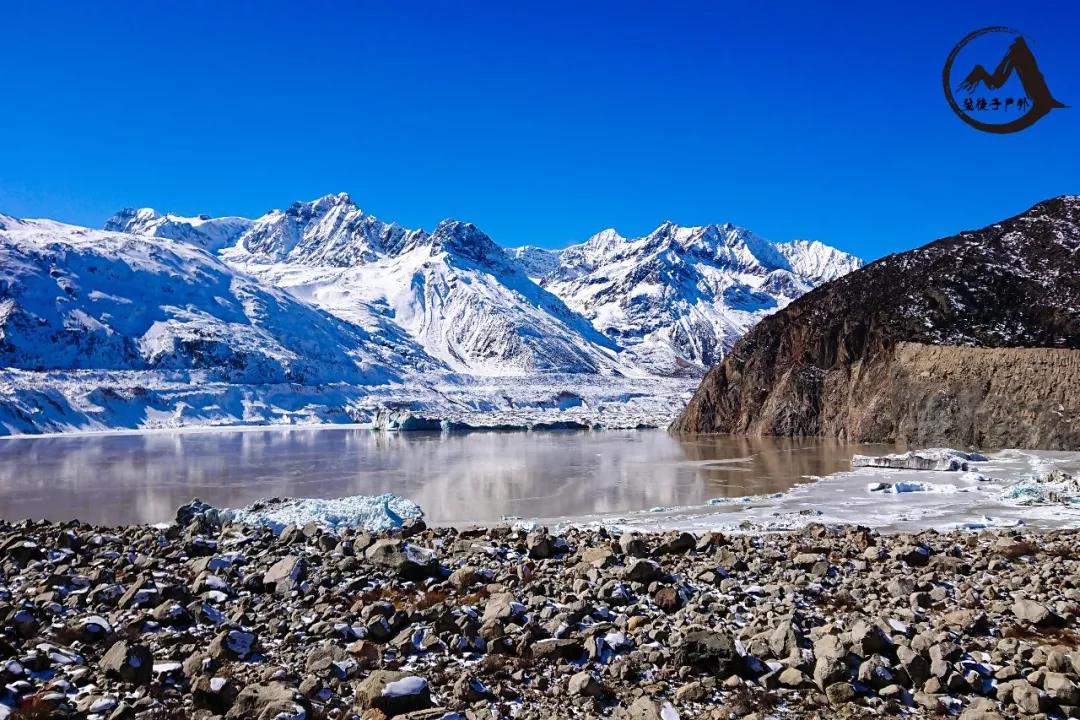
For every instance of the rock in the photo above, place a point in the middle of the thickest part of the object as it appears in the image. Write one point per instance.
(129, 662)
(1061, 689)
(540, 545)
(285, 574)
(1035, 613)
(829, 671)
(914, 555)
(667, 599)
(633, 546)
(267, 700)
(840, 693)
(197, 510)
(681, 543)
(367, 653)
(793, 678)
(914, 664)
(784, 639)
(233, 645)
(690, 692)
(643, 709)
(502, 607)
(643, 571)
(978, 713)
(709, 651)
(412, 526)
(321, 660)
(470, 690)
(829, 647)
(807, 560)
(1027, 697)
(393, 693)
(214, 693)
(557, 648)
(584, 684)
(597, 557)
(952, 644)
(408, 561)
(868, 639)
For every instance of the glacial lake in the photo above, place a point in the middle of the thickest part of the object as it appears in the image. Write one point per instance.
(456, 478)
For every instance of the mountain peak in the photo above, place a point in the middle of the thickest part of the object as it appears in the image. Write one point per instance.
(466, 240)
(130, 217)
(322, 205)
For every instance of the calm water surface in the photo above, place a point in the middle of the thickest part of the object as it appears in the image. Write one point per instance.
(116, 479)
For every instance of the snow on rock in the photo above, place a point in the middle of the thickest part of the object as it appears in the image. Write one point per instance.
(370, 512)
(405, 687)
(944, 459)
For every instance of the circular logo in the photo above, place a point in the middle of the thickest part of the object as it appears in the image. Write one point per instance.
(1010, 97)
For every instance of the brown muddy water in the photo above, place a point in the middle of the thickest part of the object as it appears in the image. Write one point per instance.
(457, 478)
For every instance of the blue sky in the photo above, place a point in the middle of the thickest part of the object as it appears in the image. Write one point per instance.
(540, 122)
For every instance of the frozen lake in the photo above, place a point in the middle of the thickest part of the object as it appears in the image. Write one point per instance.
(456, 478)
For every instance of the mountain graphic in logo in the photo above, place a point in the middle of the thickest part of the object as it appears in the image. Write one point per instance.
(984, 107)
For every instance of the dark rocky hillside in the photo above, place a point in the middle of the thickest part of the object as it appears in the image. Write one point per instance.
(849, 359)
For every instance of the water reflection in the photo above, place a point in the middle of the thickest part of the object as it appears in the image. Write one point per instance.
(455, 478)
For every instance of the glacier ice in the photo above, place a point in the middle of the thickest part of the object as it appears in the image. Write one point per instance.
(370, 512)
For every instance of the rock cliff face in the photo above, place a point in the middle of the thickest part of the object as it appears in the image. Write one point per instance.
(970, 340)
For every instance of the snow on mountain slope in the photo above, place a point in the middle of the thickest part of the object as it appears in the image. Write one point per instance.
(89, 299)
(537, 262)
(330, 231)
(464, 300)
(817, 262)
(208, 233)
(680, 297)
(672, 302)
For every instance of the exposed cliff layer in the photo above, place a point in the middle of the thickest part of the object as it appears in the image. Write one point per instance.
(892, 351)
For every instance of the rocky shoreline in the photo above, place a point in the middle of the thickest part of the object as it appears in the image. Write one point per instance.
(204, 620)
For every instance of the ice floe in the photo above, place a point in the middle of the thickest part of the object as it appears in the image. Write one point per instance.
(1010, 488)
(942, 459)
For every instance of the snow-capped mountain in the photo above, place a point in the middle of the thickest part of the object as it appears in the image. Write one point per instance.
(331, 231)
(679, 297)
(204, 231)
(74, 298)
(817, 262)
(671, 302)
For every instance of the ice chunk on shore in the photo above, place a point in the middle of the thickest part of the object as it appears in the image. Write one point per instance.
(1047, 488)
(370, 512)
(945, 459)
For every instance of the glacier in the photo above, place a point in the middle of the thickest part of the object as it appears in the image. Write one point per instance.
(323, 313)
